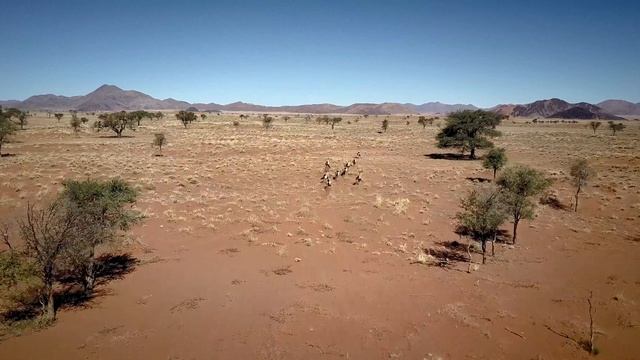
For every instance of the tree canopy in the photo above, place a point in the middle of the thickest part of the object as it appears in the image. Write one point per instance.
(186, 117)
(469, 130)
(117, 122)
(519, 184)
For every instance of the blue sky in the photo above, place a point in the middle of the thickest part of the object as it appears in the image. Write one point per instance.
(296, 52)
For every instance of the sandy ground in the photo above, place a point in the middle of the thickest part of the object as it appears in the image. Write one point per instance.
(244, 255)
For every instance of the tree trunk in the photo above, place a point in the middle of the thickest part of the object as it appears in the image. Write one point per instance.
(515, 231)
(472, 155)
(89, 277)
(577, 194)
(484, 252)
(48, 308)
(494, 173)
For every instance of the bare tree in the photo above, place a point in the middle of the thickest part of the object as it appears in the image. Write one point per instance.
(46, 232)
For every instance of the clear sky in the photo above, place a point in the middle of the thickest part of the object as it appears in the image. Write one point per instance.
(295, 52)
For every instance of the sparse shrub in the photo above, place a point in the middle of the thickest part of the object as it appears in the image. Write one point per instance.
(469, 130)
(20, 288)
(7, 128)
(159, 140)
(236, 123)
(519, 184)
(186, 117)
(594, 125)
(84, 120)
(203, 116)
(58, 116)
(581, 173)
(495, 159)
(385, 125)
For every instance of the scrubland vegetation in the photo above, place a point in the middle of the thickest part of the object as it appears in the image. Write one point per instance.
(393, 207)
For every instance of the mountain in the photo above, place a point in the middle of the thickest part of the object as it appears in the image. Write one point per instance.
(437, 107)
(620, 107)
(503, 109)
(104, 98)
(583, 113)
(546, 108)
(51, 102)
(9, 103)
(113, 98)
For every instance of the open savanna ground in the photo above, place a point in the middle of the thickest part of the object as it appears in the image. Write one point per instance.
(244, 255)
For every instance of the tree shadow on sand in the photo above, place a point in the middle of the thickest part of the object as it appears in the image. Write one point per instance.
(448, 156)
(478, 179)
(70, 295)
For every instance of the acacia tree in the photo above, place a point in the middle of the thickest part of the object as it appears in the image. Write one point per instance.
(158, 115)
(186, 117)
(7, 128)
(203, 116)
(75, 123)
(616, 127)
(469, 130)
(58, 116)
(482, 214)
(495, 159)
(139, 115)
(117, 122)
(45, 233)
(267, 121)
(334, 120)
(101, 209)
(159, 140)
(594, 125)
(520, 184)
(19, 115)
(581, 173)
(422, 120)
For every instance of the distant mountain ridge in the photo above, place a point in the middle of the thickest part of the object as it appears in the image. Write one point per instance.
(557, 108)
(620, 107)
(113, 98)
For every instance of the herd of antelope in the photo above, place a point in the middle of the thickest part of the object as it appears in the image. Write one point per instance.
(331, 175)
